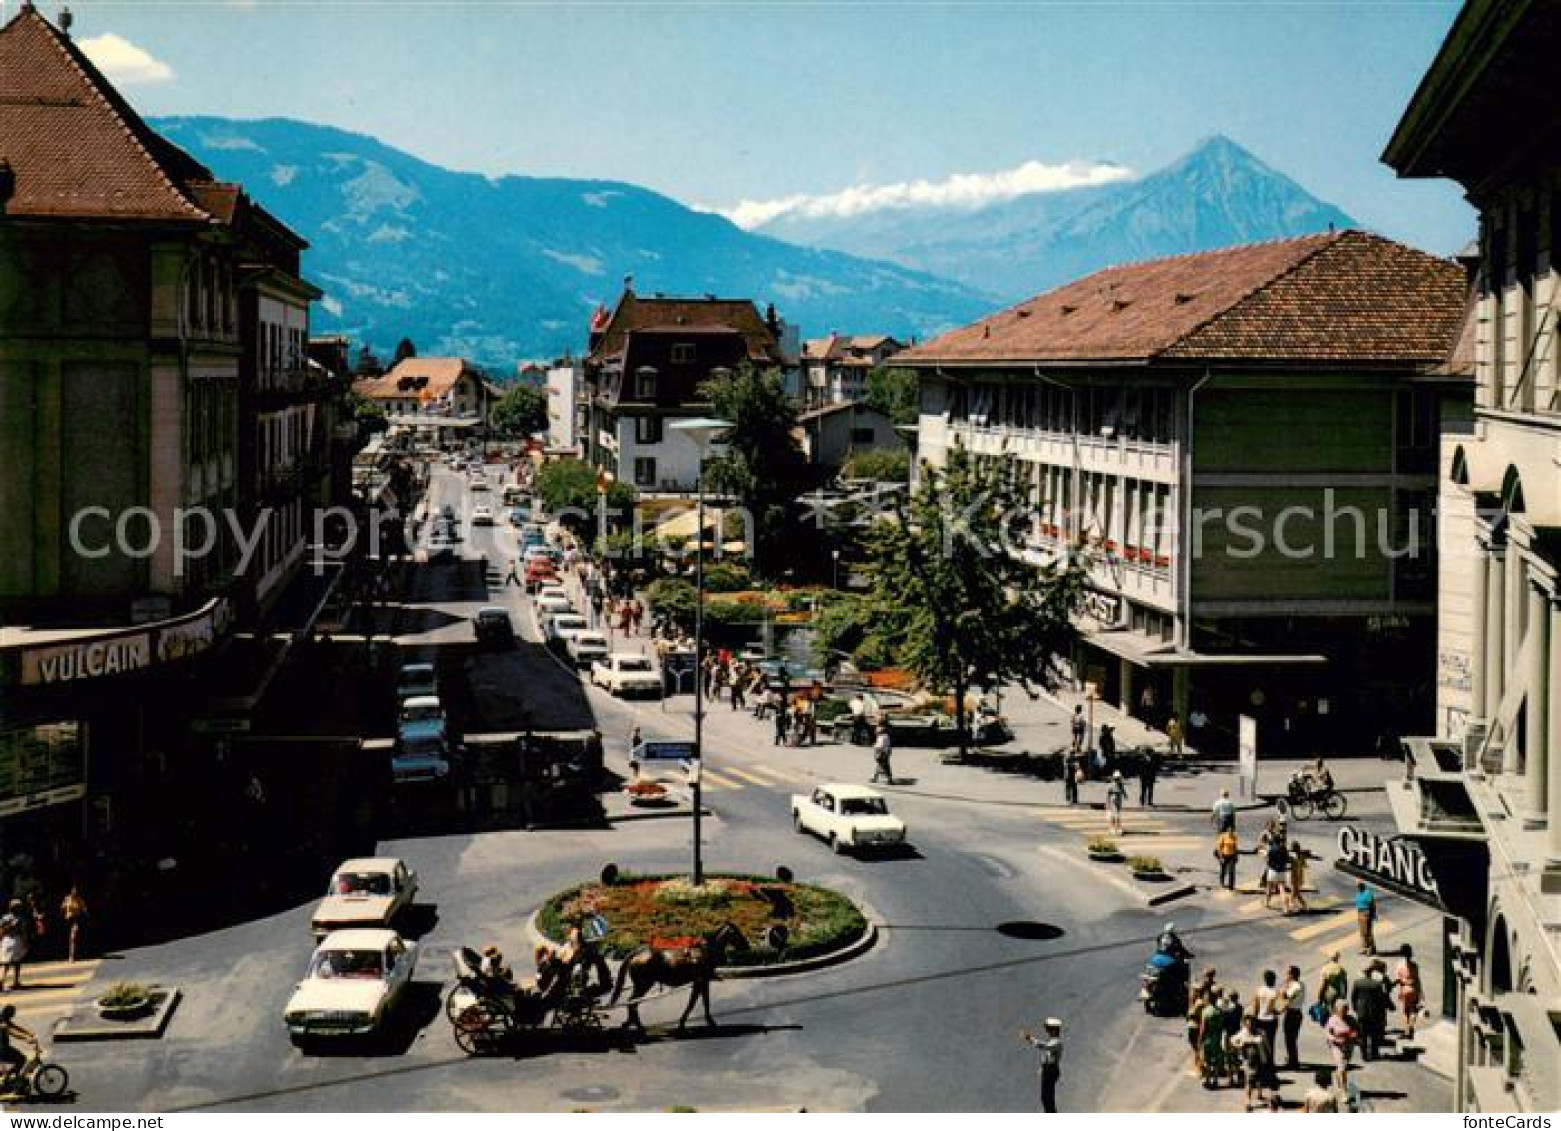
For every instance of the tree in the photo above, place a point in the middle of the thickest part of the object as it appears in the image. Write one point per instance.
(404, 350)
(671, 599)
(895, 393)
(569, 485)
(878, 464)
(964, 610)
(521, 411)
(369, 413)
(762, 465)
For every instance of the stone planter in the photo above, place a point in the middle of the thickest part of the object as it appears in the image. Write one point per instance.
(1106, 857)
(126, 1011)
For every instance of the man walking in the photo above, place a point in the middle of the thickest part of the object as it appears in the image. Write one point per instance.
(883, 751)
(1173, 733)
(1223, 815)
(1366, 917)
(1369, 1002)
(1070, 778)
(1079, 727)
(1049, 1048)
(1226, 848)
(1148, 772)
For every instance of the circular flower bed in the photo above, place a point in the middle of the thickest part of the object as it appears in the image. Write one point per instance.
(668, 910)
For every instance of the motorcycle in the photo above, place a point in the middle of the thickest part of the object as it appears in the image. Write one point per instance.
(1163, 985)
(1303, 800)
(36, 1078)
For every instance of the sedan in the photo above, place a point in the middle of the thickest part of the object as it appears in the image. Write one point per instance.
(627, 673)
(482, 516)
(355, 979)
(561, 626)
(847, 816)
(492, 625)
(368, 891)
(585, 648)
(549, 607)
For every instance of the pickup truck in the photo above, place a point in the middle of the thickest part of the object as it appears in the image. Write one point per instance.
(847, 816)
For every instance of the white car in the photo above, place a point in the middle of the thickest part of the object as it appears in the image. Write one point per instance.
(553, 589)
(368, 891)
(561, 626)
(355, 978)
(482, 516)
(585, 648)
(627, 673)
(415, 679)
(478, 482)
(847, 816)
(549, 607)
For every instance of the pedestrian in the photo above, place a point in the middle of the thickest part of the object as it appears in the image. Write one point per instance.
(1332, 983)
(1276, 876)
(1072, 774)
(1252, 1046)
(513, 576)
(15, 939)
(883, 752)
(1049, 1048)
(1108, 749)
(1366, 917)
(1297, 876)
(1406, 977)
(1369, 1003)
(39, 919)
(1292, 997)
(782, 719)
(1079, 727)
(636, 615)
(1340, 1035)
(1148, 772)
(1116, 797)
(635, 742)
(1223, 815)
(1173, 732)
(1146, 705)
(73, 913)
(1266, 1007)
(1321, 1098)
(1197, 999)
(1226, 849)
(739, 687)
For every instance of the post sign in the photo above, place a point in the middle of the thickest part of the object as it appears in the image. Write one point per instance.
(666, 752)
(1398, 865)
(1246, 745)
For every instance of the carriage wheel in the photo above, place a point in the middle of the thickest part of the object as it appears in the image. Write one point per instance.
(1334, 806)
(473, 1029)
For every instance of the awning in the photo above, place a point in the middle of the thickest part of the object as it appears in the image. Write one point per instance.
(686, 524)
(1184, 658)
(1130, 644)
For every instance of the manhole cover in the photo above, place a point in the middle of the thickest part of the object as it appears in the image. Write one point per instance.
(591, 1095)
(1024, 929)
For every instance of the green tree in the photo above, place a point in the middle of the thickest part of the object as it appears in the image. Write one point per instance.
(368, 412)
(672, 599)
(521, 411)
(569, 486)
(965, 612)
(762, 464)
(894, 393)
(404, 349)
(883, 466)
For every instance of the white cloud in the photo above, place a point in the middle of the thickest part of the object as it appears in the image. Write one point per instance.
(124, 62)
(961, 190)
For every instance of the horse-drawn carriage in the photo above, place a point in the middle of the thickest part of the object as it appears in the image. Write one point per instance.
(487, 1009)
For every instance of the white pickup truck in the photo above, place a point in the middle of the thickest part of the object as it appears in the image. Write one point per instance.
(847, 816)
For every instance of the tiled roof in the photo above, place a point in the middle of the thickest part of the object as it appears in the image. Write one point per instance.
(439, 373)
(1337, 296)
(634, 314)
(76, 147)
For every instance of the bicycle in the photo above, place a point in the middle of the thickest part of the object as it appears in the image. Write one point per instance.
(1304, 802)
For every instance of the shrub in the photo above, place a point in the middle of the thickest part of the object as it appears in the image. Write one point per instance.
(122, 994)
(828, 710)
(1103, 846)
(724, 577)
(1145, 865)
(735, 612)
(883, 466)
(672, 598)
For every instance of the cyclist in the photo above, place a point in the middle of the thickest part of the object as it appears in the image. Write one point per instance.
(12, 1057)
(1318, 779)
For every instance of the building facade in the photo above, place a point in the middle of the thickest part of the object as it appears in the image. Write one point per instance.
(565, 405)
(1246, 442)
(833, 433)
(835, 368)
(444, 398)
(1483, 793)
(646, 363)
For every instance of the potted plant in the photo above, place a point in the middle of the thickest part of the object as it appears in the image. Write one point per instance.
(645, 792)
(125, 1001)
(1104, 850)
(1146, 867)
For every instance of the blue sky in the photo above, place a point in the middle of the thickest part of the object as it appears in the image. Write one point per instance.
(720, 103)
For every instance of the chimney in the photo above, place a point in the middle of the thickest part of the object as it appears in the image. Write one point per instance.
(628, 284)
(66, 19)
(771, 320)
(7, 184)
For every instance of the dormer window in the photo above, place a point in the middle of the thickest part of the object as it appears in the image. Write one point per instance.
(645, 383)
(683, 353)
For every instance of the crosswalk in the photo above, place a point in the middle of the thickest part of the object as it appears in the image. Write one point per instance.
(731, 777)
(50, 990)
(1329, 922)
(1142, 834)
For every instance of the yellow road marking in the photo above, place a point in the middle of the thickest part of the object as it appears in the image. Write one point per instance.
(1345, 943)
(1323, 926)
(750, 778)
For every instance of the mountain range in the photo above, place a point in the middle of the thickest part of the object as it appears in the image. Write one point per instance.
(502, 268)
(1217, 195)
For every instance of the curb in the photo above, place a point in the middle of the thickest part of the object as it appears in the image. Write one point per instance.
(854, 949)
(1147, 899)
(1063, 806)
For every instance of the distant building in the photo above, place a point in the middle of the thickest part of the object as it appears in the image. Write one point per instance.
(1481, 800)
(1198, 422)
(646, 362)
(532, 373)
(565, 406)
(833, 433)
(835, 368)
(444, 397)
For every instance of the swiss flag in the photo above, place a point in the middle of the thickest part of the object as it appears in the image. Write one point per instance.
(600, 318)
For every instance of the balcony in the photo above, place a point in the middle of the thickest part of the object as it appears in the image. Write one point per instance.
(277, 388)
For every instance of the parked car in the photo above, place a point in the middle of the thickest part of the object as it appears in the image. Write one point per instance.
(422, 758)
(518, 515)
(367, 891)
(492, 625)
(847, 816)
(354, 980)
(539, 572)
(561, 626)
(549, 607)
(478, 482)
(482, 516)
(414, 679)
(554, 589)
(585, 648)
(515, 496)
(627, 673)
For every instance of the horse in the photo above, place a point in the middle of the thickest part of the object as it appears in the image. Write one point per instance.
(693, 965)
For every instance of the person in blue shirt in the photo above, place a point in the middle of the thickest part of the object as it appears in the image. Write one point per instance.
(1366, 917)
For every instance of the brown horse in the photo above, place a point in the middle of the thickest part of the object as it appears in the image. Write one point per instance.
(694, 965)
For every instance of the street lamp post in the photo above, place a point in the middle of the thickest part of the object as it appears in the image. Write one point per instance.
(835, 556)
(701, 431)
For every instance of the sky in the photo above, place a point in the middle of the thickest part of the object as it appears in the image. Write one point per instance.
(754, 107)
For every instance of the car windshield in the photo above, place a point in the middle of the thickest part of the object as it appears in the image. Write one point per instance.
(590, 640)
(360, 883)
(348, 964)
(863, 806)
(634, 664)
(570, 621)
(418, 712)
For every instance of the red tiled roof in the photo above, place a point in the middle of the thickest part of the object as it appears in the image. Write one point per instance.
(439, 374)
(1338, 296)
(711, 315)
(76, 147)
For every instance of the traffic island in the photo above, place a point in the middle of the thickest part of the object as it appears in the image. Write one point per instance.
(788, 926)
(121, 1023)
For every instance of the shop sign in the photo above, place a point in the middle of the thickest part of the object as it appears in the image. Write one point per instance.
(1400, 863)
(40, 766)
(131, 651)
(1103, 607)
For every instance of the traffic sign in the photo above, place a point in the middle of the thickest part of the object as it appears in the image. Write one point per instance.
(666, 751)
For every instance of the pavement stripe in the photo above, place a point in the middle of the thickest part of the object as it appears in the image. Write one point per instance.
(85, 965)
(27, 998)
(750, 778)
(1351, 941)
(1344, 918)
(785, 773)
(712, 779)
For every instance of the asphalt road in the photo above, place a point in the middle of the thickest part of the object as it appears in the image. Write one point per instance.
(981, 933)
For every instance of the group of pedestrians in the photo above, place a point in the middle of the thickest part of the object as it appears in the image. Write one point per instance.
(26, 928)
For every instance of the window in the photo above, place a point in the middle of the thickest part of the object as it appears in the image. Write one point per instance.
(645, 384)
(683, 353)
(863, 435)
(647, 429)
(644, 472)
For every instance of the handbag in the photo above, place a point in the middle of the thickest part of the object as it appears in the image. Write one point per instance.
(1318, 1012)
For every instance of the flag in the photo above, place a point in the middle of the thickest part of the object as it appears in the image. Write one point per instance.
(599, 318)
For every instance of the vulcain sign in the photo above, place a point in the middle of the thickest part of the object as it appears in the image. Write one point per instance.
(1399, 861)
(87, 660)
